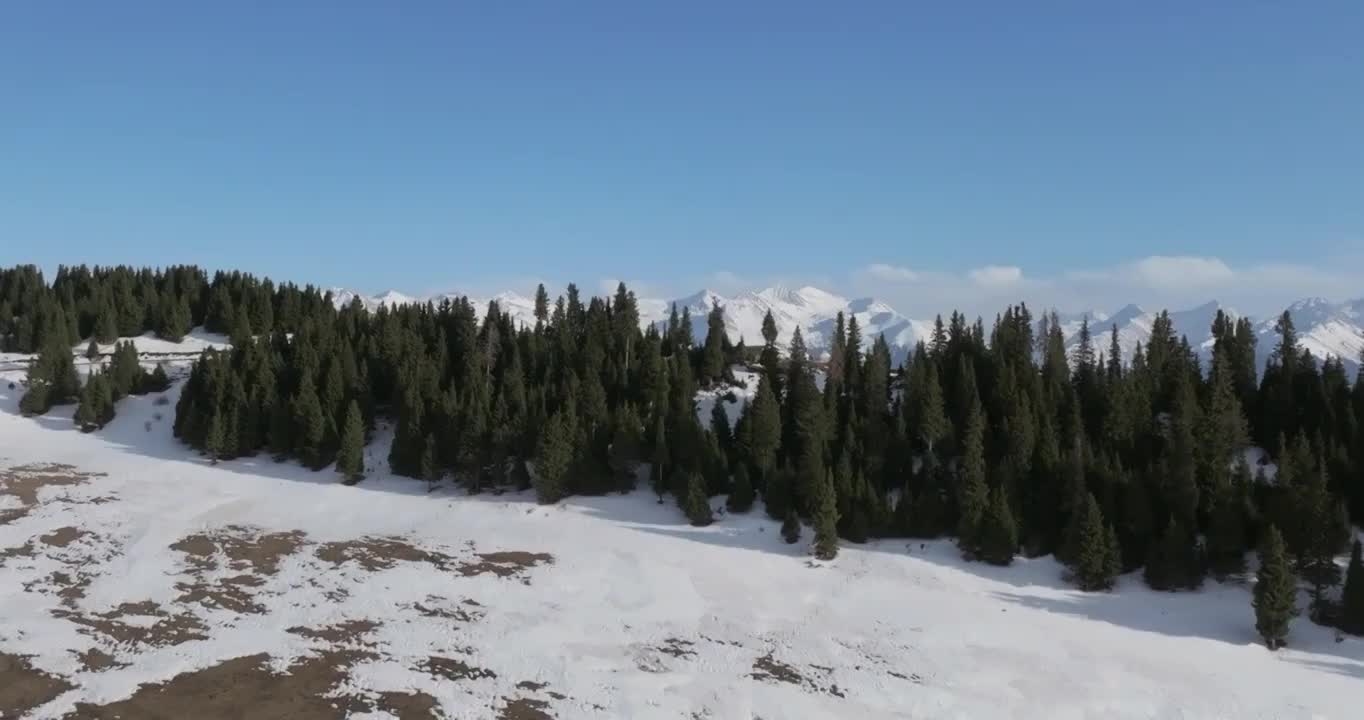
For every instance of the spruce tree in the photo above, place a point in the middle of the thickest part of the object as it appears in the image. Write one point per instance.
(825, 517)
(657, 478)
(998, 533)
(552, 459)
(713, 355)
(310, 427)
(350, 459)
(696, 502)
(430, 471)
(1096, 560)
(1174, 563)
(1226, 534)
(973, 492)
(92, 351)
(742, 495)
(1352, 599)
(1275, 592)
(790, 528)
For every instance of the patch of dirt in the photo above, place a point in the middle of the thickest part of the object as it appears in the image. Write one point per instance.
(768, 668)
(433, 608)
(61, 537)
(70, 589)
(245, 687)
(338, 634)
(247, 551)
(24, 482)
(453, 669)
(96, 660)
(677, 647)
(380, 553)
(24, 687)
(532, 685)
(167, 629)
(25, 550)
(524, 709)
(504, 564)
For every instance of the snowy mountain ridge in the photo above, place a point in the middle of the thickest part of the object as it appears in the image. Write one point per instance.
(1324, 327)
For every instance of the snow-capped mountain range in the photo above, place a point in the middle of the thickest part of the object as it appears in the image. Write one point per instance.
(1324, 328)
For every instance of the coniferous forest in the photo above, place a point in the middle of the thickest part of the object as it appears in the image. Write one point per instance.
(996, 434)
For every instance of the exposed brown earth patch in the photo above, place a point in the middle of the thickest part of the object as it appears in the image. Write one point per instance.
(96, 660)
(352, 631)
(677, 647)
(24, 687)
(61, 537)
(165, 630)
(768, 668)
(244, 550)
(383, 553)
(245, 687)
(65, 586)
(504, 564)
(524, 709)
(25, 482)
(380, 553)
(25, 550)
(433, 607)
(455, 669)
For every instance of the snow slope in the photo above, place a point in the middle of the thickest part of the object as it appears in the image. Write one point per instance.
(637, 615)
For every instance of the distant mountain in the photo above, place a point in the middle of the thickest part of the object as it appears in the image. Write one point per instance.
(1325, 328)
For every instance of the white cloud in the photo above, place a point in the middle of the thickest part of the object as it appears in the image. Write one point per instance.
(1166, 271)
(891, 273)
(996, 276)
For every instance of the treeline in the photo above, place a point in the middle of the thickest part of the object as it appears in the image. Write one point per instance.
(1001, 438)
(107, 303)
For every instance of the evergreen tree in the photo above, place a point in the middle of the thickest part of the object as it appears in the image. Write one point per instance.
(742, 496)
(552, 460)
(310, 427)
(713, 355)
(1275, 591)
(1097, 558)
(660, 460)
(350, 460)
(790, 528)
(1352, 599)
(973, 493)
(430, 471)
(998, 533)
(92, 351)
(1174, 563)
(825, 515)
(696, 502)
(1227, 530)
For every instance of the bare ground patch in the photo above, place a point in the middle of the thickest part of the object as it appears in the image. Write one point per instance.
(163, 630)
(24, 483)
(524, 709)
(64, 536)
(383, 553)
(455, 669)
(245, 687)
(96, 660)
(340, 633)
(769, 668)
(253, 554)
(438, 607)
(24, 687)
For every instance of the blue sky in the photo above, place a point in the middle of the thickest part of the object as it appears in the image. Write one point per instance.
(893, 148)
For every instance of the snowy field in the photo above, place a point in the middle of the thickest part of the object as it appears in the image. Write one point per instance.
(136, 581)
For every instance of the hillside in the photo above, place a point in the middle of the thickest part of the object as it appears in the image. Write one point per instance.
(126, 560)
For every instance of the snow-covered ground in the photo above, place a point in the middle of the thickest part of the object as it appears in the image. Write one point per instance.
(139, 561)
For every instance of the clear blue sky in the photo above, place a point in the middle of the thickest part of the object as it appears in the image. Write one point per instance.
(421, 145)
